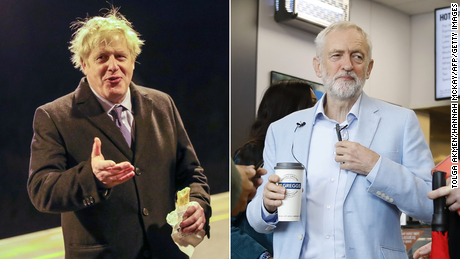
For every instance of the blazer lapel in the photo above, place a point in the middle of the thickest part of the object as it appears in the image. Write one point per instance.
(300, 150)
(88, 104)
(143, 109)
(301, 139)
(368, 122)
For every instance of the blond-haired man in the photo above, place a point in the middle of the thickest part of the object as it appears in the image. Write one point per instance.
(111, 155)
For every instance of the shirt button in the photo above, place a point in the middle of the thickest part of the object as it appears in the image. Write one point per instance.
(327, 236)
(332, 179)
(328, 206)
(145, 211)
(300, 236)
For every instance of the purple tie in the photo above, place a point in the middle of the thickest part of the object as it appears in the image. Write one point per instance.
(116, 113)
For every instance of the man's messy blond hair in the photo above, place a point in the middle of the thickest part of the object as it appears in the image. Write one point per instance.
(91, 32)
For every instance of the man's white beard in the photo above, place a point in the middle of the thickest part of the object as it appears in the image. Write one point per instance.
(343, 89)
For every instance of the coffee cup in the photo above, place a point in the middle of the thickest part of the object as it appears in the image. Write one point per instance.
(291, 176)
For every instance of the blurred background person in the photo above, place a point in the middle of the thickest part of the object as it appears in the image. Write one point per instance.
(243, 189)
(279, 100)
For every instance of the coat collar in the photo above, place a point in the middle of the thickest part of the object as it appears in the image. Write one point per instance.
(143, 119)
(87, 103)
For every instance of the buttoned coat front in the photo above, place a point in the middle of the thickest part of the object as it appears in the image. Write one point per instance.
(371, 209)
(127, 221)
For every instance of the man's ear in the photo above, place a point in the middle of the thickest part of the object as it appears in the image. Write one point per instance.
(369, 68)
(317, 67)
(83, 65)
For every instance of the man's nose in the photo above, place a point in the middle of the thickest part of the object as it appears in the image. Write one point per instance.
(113, 66)
(347, 64)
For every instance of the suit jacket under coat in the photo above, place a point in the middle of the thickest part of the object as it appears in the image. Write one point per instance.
(371, 207)
(129, 220)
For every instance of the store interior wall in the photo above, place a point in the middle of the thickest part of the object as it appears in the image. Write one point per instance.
(403, 53)
(243, 70)
(422, 73)
(290, 50)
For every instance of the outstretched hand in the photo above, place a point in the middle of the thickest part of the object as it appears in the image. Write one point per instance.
(108, 172)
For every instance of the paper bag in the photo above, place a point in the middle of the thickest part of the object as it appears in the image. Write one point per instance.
(185, 241)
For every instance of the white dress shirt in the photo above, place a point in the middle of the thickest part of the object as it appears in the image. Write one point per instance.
(324, 237)
(127, 116)
(325, 188)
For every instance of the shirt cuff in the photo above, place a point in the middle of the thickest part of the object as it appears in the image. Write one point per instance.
(373, 173)
(269, 217)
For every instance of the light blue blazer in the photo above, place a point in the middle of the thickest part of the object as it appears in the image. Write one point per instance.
(371, 210)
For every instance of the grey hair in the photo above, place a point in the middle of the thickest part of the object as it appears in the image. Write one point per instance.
(339, 26)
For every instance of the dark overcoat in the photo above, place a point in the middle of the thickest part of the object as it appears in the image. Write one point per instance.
(127, 221)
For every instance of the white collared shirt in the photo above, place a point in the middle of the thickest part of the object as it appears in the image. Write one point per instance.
(325, 188)
(126, 115)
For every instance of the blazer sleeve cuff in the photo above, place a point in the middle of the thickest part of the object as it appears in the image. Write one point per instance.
(254, 214)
